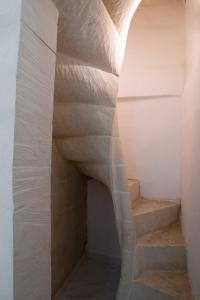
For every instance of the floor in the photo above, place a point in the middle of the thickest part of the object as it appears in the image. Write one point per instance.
(92, 280)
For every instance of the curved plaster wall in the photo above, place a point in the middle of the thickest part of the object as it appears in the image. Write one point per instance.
(191, 145)
(91, 40)
(149, 100)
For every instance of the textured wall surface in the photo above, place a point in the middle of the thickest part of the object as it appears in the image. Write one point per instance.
(28, 67)
(91, 40)
(9, 44)
(32, 151)
(68, 218)
(191, 146)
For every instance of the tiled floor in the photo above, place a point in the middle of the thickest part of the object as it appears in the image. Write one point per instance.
(92, 280)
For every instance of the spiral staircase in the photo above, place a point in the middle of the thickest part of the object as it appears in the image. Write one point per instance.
(160, 252)
(160, 271)
(91, 42)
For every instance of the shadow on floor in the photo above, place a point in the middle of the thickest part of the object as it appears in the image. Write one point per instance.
(91, 280)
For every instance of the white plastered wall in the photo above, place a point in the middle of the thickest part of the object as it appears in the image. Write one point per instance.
(149, 104)
(150, 131)
(28, 44)
(191, 146)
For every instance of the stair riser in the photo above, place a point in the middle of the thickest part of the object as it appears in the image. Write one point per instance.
(155, 220)
(142, 292)
(134, 189)
(157, 258)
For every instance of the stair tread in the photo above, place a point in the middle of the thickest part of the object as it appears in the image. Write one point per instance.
(172, 283)
(170, 235)
(132, 182)
(144, 206)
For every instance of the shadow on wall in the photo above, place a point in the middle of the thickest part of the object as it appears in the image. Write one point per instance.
(102, 237)
(69, 190)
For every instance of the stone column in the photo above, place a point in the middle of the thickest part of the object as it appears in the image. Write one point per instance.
(27, 50)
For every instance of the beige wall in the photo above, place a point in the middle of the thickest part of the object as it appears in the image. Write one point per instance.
(9, 47)
(27, 69)
(68, 218)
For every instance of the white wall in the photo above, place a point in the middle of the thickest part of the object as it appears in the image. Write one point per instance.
(154, 57)
(191, 146)
(149, 105)
(150, 132)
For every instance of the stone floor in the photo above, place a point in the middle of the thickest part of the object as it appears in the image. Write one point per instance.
(91, 280)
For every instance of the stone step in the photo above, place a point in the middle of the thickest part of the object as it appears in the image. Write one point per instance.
(151, 215)
(162, 249)
(134, 189)
(162, 285)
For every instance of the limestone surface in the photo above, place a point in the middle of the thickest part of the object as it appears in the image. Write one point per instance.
(91, 43)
